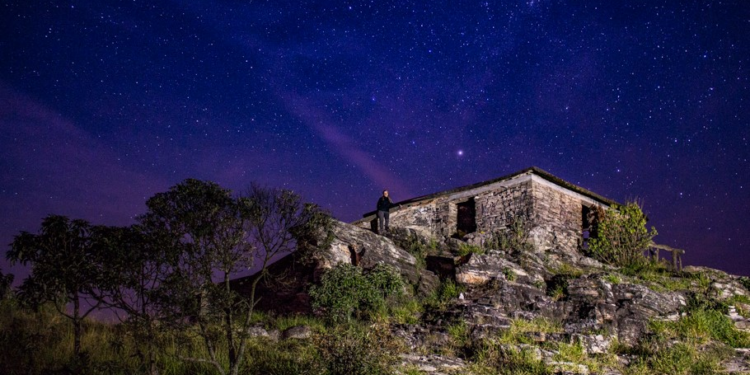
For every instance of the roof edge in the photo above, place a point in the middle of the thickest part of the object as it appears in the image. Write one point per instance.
(531, 170)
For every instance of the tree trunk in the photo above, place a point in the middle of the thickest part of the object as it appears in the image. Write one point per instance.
(76, 325)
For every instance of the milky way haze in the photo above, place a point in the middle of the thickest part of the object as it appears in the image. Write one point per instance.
(105, 103)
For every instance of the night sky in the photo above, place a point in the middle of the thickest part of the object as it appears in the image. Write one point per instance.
(105, 103)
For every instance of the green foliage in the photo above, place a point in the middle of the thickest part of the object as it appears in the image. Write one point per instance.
(287, 321)
(417, 247)
(510, 275)
(448, 290)
(407, 311)
(694, 344)
(502, 359)
(557, 285)
(351, 350)
(465, 249)
(285, 357)
(613, 278)
(346, 291)
(621, 236)
(745, 282)
(708, 324)
(568, 271)
(682, 359)
(61, 269)
(207, 237)
(658, 277)
(6, 283)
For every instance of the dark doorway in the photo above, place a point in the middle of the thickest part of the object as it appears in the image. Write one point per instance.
(587, 219)
(467, 222)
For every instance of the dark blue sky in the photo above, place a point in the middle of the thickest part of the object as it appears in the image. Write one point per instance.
(105, 103)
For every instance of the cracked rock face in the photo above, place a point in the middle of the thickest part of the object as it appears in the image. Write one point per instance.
(352, 244)
(481, 269)
(590, 304)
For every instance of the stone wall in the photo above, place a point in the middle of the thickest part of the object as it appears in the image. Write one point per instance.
(425, 218)
(551, 213)
(499, 208)
(495, 209)
(557, 218)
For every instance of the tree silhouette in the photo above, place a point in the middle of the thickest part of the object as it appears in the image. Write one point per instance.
(61, 269)
(213, 237)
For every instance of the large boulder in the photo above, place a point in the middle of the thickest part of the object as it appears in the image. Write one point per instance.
(284, 290)
(483, 268)
(363, 248)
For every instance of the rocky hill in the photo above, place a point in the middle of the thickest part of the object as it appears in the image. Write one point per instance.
(507, 305)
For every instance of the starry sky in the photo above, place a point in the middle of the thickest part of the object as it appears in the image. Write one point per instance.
(105, 103)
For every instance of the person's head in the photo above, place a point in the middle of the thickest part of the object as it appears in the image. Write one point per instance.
(385, 193)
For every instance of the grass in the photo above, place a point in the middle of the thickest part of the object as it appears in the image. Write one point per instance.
(510, 275)
(695, 344)
(497, 358)
(285, 322)
(741, 304)
(42, 343)
(703, 325)
(613, 278)
(407, 312)
(568, 271)
(660, 278)
(465, 249)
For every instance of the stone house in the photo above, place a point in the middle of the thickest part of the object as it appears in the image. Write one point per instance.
(553, 211)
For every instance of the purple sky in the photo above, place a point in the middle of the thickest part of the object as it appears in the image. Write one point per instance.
(105, 103)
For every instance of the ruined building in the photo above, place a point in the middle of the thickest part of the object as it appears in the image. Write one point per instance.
(553, 211)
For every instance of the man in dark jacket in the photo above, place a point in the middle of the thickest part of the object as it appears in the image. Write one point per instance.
(384, 206)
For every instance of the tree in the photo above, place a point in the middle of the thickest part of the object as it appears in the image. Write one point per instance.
(621, 236)
(214, 237)
(278, 222)
(6, 284)
(133, 263)
(203, 228)
(61, 271)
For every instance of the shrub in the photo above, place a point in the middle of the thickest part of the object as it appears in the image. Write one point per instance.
(621, 236)
(351, 350)
(346, 290)
(448, 290)
(465, 249)
(417, 247)
(745, 281)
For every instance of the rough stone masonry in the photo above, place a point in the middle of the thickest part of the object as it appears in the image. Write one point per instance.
(551, 210)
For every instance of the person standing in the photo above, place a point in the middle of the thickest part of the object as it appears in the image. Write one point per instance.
(384, 206)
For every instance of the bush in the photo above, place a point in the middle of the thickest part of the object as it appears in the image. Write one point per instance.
(465, 249)
(621, 236)
(352, 350)
(345, 291)
(745, 281)
(448, 290)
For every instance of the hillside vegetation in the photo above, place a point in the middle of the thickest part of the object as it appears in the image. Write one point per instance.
(372, 305)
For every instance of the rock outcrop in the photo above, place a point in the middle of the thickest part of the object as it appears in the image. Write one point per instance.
(366, 249)
(588, 304)
(285, 288)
